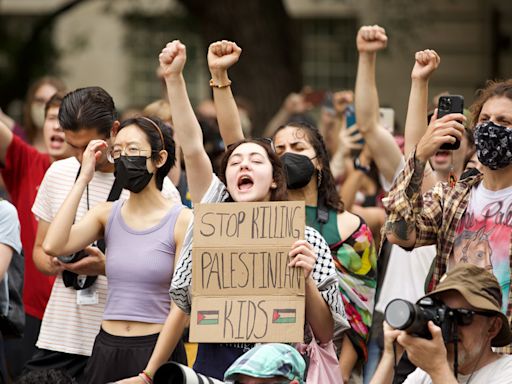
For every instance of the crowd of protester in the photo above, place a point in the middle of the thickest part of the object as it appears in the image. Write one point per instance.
(406, 254)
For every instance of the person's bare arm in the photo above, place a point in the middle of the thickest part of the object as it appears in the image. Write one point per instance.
(426, 63)
(45, 263)
(63, 236)
(221, 56)
(385, 370)
(381, 143)
(354, 180)
(7, 120)
(6, 253)
(188, 131)
(5, 140)
(318, 314)
(444, 130)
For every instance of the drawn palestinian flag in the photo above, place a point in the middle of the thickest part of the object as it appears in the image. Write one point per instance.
(282, 316)
(207, 317)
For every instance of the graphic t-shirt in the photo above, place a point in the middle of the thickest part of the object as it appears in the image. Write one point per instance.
(484, 233)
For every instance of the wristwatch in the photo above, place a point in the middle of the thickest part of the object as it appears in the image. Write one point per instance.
(363, 168)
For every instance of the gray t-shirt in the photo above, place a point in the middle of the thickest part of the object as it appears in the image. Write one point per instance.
(10, 236)
(497, 372)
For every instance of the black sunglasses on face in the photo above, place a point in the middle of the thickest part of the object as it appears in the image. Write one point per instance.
(465, 316)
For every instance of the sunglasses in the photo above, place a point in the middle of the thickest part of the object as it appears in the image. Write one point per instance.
(464, 316)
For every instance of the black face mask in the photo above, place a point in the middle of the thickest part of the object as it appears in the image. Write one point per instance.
(132, 172)
(298, 168)
(493, 145)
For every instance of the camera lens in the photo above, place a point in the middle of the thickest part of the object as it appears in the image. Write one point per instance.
(399, 314)
(445, 104)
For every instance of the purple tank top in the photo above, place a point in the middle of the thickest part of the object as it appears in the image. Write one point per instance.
(139, 268)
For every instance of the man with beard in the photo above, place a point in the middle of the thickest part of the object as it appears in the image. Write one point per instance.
(474, 297)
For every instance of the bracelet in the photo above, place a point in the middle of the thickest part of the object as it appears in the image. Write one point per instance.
(147, 372)
(145, 378)
(213, 85)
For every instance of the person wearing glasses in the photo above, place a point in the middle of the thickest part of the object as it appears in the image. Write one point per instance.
(474, 296)
(250, 172)
(142, 233)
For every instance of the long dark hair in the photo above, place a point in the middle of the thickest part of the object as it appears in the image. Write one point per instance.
(280, 192)
(327, 187)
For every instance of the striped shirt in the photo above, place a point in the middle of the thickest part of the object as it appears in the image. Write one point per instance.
(436, 214)
(67, 326)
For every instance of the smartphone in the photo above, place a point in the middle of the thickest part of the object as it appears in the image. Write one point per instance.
(387, 119)
(350, 118)
(450, 104)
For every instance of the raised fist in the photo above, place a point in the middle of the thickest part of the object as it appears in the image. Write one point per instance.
(426, 63)
(222, 55)
(371, 39)
(173, 58)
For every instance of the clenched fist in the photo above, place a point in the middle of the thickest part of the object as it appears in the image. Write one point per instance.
(222, 55)
(371, 39)
(426, 63)
(172, 59)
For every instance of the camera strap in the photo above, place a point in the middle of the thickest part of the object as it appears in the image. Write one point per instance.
(72, 279)
(455, 350)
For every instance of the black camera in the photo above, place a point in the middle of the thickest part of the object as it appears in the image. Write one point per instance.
(413, 318)
(74, 257)
(172, 372)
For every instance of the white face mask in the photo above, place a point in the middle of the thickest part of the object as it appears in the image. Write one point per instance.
(37, 114)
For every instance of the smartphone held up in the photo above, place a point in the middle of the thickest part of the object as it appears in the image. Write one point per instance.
(450, 104)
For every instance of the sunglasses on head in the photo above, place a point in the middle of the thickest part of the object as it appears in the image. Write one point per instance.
(465, 316)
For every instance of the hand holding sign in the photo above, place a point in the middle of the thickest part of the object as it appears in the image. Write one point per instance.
(303, 255)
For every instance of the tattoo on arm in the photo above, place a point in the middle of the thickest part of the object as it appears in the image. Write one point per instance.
(416, 179)
(400, 229)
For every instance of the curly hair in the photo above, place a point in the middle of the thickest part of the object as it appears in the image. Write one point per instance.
(492, 89)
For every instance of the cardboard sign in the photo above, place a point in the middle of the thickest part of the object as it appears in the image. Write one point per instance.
(242, 287)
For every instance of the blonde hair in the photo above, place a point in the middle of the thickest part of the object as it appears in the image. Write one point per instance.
(159, 108)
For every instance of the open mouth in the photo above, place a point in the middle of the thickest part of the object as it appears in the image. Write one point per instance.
(442, 155)
(56, 141)
(245, 182)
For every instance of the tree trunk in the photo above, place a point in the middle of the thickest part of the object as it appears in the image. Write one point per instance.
(269, 67)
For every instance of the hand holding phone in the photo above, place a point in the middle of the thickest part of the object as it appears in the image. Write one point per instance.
(450, 104)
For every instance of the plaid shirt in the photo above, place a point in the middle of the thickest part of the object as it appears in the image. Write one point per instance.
(437, 214)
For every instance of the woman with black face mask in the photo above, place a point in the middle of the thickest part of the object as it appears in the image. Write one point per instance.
(309, 178)
(143, 234)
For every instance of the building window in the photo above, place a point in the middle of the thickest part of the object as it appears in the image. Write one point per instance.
(145, 37)
(329, 54)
